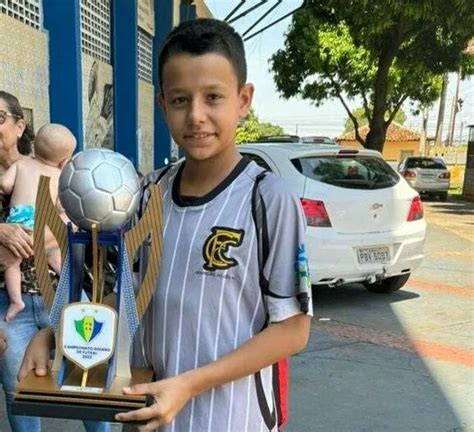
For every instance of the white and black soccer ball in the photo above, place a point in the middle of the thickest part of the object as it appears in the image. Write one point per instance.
(99, 186)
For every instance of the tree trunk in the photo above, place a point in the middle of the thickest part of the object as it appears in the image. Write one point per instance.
(376, 137)
(442, 104)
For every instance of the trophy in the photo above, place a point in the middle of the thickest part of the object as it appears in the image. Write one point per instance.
(99, 190)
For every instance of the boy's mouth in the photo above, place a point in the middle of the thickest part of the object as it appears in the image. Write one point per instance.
(199, 135)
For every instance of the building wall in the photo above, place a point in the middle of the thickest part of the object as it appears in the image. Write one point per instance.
(97, 103)
(392, 150)
(146, 100)
(23, 69)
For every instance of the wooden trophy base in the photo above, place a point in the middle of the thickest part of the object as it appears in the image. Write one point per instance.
(42, 397)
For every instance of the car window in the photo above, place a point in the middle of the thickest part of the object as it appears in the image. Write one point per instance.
(427, 163)
(318, 140)
(257, 159)
(354, 172)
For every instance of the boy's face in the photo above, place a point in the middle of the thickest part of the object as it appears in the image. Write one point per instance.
(202, 104)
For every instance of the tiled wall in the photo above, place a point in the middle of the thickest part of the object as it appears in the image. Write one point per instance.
(24, 67)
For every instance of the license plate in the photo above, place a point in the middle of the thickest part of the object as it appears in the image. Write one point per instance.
(373, 255)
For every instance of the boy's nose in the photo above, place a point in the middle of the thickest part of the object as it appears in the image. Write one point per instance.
(197, 112)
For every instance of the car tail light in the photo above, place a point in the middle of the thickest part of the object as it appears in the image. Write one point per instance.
(445, 175)
(416, 210)
(315, 212)
(409, 174)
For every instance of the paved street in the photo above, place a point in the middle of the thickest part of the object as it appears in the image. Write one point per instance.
(400, 362)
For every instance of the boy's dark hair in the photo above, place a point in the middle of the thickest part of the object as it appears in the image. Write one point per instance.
(205, 36)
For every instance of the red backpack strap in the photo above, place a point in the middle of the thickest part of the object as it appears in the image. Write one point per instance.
(280, 388)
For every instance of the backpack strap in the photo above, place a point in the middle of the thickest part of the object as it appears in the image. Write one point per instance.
(259, 215)
(279, 415)
(146, 187)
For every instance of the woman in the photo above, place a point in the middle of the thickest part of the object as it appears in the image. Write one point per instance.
(16, 139)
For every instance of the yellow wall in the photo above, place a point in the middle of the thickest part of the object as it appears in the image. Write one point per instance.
(392, 150)
(23, 69)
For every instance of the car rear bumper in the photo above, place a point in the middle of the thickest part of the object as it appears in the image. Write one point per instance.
(430, 187)
(333, 257)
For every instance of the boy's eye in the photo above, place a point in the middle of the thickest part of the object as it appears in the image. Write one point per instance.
(213, 97)
(178, 100)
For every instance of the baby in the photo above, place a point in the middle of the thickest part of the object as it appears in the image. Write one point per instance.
(53, 147)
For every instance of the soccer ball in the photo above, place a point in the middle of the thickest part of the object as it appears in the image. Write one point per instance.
(99, 186)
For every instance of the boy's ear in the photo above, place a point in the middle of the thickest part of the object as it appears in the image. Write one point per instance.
(161, 102)
(245, 96)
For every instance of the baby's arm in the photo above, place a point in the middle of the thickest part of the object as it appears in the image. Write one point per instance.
(7, 181)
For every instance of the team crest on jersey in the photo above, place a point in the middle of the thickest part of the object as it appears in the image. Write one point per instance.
(216, 248)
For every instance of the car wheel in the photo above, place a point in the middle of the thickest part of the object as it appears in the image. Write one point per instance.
(443, 196)
(388, 285)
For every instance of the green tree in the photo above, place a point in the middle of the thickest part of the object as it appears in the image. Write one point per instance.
(381, 51)
(359, 114)
(250, 129)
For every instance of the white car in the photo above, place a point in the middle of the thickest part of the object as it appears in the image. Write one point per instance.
(365, 223)
(427, 175)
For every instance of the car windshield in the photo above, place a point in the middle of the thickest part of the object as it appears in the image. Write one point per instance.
(353, 172)
(427, 163)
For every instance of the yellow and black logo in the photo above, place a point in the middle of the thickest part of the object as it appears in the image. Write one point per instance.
(217, 245)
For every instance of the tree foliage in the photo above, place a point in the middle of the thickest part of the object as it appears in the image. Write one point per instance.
(359, 114)
(381, 51)
(250, 129)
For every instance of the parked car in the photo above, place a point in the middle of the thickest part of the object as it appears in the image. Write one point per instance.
(427, 175)
(365, 223)
(297, 139)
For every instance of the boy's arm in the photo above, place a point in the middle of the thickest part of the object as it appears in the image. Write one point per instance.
(277, 341)
(7, 181)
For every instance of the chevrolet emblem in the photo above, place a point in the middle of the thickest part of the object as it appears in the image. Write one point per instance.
(376, 206)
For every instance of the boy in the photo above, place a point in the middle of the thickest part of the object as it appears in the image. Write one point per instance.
(53, 147)
(203, 330)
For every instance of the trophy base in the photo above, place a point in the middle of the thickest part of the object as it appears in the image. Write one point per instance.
(42, 397)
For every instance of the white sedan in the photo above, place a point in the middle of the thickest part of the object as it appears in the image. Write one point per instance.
(365, 223)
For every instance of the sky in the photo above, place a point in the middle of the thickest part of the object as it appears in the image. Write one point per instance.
(298, 116)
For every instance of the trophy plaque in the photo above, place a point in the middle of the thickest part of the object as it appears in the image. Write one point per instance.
(99, 190)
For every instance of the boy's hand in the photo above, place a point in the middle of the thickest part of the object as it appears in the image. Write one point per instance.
(17, 239)
(3, 342)
(170, 395)
(37, 354)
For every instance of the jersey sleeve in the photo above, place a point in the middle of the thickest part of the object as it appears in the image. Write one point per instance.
(286, 268)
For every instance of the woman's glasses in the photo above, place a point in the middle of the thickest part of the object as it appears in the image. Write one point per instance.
(4, 115)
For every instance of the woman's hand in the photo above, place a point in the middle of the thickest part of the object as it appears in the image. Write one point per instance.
(17, 239)
(170, 395)
(37, 354)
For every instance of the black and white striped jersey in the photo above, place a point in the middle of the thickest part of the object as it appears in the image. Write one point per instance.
(208, 300)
